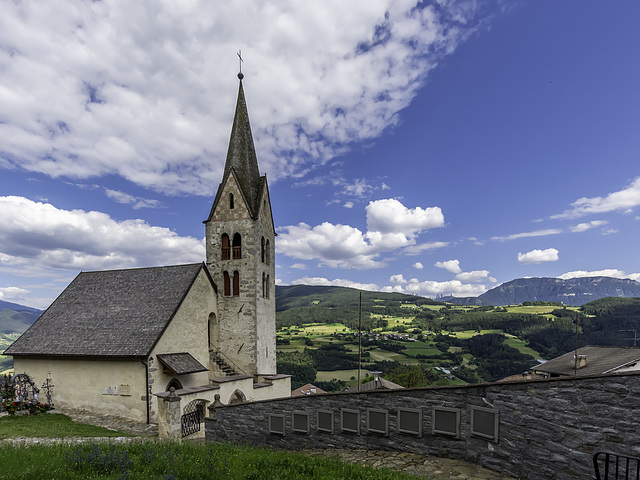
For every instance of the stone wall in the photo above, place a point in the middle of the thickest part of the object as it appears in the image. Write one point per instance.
(547, 429)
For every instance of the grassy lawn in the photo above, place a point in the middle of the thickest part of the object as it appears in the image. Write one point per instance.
(515, 342)
(473, 333)
(50, 425)
(171, 461)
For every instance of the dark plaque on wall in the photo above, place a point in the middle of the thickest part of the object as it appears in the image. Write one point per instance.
(276, 424)
(446, 421)
(378, 421)
(350, 420)
(410, 421)
(484, 423)
(325, 421)
(300, 422)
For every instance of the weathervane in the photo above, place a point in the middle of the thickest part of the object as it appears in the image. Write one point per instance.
(240, 75)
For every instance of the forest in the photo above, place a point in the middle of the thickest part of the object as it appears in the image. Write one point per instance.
(318, 336)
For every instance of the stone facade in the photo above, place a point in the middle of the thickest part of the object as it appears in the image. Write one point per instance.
(547, 429)
(247, 320)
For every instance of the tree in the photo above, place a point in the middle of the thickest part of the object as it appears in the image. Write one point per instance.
(409, 376)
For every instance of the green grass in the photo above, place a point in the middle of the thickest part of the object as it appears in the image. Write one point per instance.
(168, 461)
(50, 425)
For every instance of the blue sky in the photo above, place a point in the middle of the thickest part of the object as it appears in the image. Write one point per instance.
(438, 148)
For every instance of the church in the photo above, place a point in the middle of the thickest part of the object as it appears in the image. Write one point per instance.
(115, 341)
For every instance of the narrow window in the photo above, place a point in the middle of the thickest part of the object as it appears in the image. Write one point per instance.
(231, 201)
(267, 287)
(226, 251)
(236, 283)
(262, 249)
(237, 247)
(268, 253)
(264, 285)
(227, 284)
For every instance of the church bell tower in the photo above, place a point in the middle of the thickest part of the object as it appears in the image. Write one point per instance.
(240, 245)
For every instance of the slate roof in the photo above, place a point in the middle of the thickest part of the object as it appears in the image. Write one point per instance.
(378, 384)
(306, 390)
(114, 313)
(242, 161)
(181, 363)
(600, 360)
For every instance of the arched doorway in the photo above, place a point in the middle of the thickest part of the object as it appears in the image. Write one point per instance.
(214, 331)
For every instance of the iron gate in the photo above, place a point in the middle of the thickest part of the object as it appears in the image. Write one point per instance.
(192, 417)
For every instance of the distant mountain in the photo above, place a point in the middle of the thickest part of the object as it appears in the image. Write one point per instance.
(573, 292)
(17, 307)
(15, 318)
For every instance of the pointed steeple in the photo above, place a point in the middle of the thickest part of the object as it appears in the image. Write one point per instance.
(241, 156)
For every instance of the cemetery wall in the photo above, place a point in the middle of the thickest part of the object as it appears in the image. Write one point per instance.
(537, 429)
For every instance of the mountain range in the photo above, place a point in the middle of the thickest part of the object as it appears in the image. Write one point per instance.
(16, 318)
(572, 292)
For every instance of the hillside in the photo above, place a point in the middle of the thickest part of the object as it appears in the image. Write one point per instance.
(16, 318)
(317, 334)
(573, 292)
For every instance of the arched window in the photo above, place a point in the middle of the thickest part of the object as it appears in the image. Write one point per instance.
(214, 329)
(226, 251)
(262, 250)
(237, 246)
(236, 283)
(231, 201)
(227, 284)
(268, 253)
(175, 383)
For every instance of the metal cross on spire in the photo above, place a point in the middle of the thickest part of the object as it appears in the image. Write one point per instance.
(240, 60)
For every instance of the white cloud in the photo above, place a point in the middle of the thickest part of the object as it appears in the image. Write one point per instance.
(453, 287)
(475, 276)
(423, 247)
(137, 202)
(622, 200)
(452, 266)
(338, 282)
(391, 226)
(397, 279)
(299, 266)
(607, 272)
(40, 234)
(388, 216)
(348, 205)
(13, 294)
(583, 227)
(537, 233)
(418, 266)
(539, 256)
(88, 89)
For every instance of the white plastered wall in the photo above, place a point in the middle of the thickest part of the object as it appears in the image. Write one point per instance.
(188, 332)
(88, 384)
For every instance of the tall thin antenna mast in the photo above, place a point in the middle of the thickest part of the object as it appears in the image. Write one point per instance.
(359, 338)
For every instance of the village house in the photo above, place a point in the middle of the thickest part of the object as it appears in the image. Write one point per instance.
(591, 360)
(115, 341)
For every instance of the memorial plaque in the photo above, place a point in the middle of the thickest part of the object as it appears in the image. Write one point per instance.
(378, 421)
(325, 421)
(446, 421)
(484, 423)
(300, 422)
(350, 420)
(276, 424)
(410, 421)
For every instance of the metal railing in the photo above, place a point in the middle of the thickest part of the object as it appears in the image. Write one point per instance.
(611, 466)
(226, 359)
